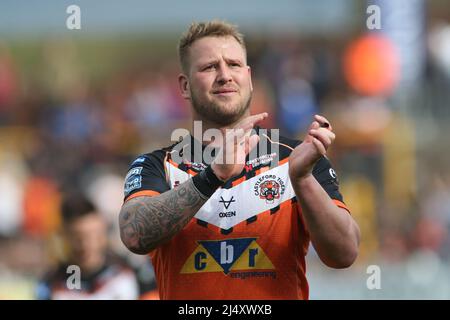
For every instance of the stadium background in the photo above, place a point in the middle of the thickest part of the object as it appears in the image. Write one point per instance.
(77, 105)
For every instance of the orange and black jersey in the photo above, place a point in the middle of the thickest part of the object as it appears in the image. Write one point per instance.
(249, 240)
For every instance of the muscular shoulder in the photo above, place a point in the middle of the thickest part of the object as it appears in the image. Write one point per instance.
(147, 172)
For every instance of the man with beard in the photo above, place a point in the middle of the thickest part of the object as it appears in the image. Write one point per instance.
(238, 226)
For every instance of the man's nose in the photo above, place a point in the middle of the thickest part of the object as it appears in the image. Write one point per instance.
(224, 74)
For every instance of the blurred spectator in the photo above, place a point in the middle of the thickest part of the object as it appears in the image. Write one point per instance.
(103, 275)
(297, 103)
(40, 206)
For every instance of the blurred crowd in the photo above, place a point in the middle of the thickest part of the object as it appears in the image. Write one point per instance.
(69, 125)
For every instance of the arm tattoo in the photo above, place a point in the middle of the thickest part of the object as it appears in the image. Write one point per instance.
(146, 222)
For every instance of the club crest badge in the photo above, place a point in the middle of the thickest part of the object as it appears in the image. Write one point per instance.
(269, 187)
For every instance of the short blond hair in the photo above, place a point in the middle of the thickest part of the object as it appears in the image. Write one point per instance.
(198, 30)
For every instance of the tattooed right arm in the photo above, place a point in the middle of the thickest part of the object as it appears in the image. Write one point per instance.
(146, 222)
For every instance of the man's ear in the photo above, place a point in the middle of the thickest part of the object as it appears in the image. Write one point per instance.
(250, 78)
(183, 84)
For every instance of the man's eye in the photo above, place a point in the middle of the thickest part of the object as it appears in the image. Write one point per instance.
(235, 64)
(210, 67)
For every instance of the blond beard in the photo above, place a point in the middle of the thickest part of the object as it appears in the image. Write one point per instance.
(214, 112)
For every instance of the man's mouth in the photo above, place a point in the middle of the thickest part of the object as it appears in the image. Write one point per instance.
(225, 92)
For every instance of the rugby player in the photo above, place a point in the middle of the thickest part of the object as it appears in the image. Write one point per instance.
(235, 229)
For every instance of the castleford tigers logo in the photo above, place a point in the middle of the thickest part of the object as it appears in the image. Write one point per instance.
(269, 187)
(269, 190)
(230, 256)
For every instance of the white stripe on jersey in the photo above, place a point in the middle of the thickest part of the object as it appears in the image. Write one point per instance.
(247, 203)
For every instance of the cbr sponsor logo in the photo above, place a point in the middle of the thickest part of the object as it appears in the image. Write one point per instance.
(269, 187)
(227, 256)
